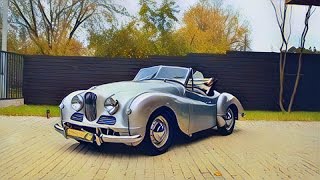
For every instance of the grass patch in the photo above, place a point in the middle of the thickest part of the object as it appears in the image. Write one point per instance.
(280, 116)
(40, 110)
(30, 110)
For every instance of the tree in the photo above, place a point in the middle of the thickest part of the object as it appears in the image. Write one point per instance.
(281, 17)
(150, 32)
(302, 43)
(155, 17)
(208, 28)
(51, 25)
(126, 41)
(158, 20)
(281, 14)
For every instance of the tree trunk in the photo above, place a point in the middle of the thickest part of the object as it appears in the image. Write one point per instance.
(281, 75)
(302, 42)
(296, 84)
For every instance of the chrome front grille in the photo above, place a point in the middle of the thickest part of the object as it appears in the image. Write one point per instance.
(90, 109)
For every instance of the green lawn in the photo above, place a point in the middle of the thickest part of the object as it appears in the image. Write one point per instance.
(30, 110)
(40, 110)
(280, 116)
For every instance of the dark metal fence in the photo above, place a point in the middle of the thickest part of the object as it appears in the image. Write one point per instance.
(252, 77)
(11, 75)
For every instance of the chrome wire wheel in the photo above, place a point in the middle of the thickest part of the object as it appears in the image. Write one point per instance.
(159, 131)
(229, 118)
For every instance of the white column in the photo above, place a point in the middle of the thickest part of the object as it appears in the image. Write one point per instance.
(3, 71)
(4, 11)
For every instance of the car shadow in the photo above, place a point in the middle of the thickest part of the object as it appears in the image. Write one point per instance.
(122, 149)
(199, 136)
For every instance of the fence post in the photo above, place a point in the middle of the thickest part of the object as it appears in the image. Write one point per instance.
(3, 75)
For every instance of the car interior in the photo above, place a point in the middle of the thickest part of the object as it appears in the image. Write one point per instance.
(201, 85)
(200, 88)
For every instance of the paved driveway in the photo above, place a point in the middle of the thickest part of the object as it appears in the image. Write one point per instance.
(31, 149)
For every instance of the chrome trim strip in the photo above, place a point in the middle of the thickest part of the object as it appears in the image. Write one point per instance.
(120, 139)
(60, 129)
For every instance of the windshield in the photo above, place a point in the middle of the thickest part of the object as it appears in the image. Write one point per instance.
(163, 72)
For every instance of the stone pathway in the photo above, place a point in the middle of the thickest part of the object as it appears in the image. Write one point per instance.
(31, 149)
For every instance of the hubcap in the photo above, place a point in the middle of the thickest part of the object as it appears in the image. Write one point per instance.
(229, 119)
(159, 131)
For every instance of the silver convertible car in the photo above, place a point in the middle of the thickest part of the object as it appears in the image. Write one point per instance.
(149, 110)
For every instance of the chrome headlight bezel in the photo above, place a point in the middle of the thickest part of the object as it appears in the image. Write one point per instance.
(77, 102)
(111, 105)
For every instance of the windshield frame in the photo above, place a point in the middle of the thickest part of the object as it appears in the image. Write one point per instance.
(153, 75)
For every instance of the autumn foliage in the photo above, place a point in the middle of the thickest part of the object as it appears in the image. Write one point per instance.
(94, 28)
(211, 29)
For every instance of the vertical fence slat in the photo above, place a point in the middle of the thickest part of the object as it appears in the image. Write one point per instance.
(7, 76)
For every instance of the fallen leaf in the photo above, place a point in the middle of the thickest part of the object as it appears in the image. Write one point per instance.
(217, 173)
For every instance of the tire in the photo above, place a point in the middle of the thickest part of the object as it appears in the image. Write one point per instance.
(227, 129)
(159, 134)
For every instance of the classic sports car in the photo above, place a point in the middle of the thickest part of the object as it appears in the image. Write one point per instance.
(148, 110)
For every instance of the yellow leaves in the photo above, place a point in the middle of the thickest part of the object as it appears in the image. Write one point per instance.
(40, 45)
(209, 29)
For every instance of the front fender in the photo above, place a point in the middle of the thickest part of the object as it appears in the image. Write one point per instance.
(145, 104)
(65, 105)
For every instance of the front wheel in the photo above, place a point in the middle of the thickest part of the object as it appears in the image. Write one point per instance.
(230, 122)
(159, 134)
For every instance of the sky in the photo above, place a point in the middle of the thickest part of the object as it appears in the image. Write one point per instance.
(265, 34)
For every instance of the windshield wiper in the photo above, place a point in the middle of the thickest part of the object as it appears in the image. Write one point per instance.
(148, 77)
(173, 80)
(178, 77)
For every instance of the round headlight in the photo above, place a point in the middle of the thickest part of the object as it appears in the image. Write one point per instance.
(111, 105)
(77, 102)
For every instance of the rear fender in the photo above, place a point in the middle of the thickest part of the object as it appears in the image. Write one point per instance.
(225, 100)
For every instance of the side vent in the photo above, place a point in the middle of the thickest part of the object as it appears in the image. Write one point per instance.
(109, 120)
(77, 117)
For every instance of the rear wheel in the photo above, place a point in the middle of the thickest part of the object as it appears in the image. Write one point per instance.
(159, 134)
(230, 122)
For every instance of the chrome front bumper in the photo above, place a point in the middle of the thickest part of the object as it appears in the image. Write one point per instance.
(102, 138)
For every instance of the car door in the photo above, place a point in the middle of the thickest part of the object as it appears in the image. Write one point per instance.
(202, 109)
(202, 112)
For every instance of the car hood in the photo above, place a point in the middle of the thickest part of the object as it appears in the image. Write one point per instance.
(133, 88)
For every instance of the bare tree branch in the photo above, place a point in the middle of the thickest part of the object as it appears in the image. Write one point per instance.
(281, 21)
(53, 23)
(302, 43)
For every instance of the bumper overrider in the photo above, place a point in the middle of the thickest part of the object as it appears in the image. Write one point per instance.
(97, 137)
